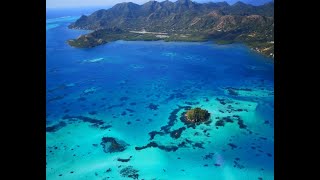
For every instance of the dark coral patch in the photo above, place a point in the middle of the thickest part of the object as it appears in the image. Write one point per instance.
(116, 105)
(208, 122)
(198, 145)
(129, 172)
(155, 145)
(151, 144)
(177, 133)
(153, 106)
(56, 127)
(105, 127)
(56, 98)
(166, 130)
(123, 113)
(182, 144)
(111, 145)
(208, 156)
(188, 141)
(220, 123)
(221, 101)
(173, 118)
(263, 138)
(124, 159)
(238, 165)
(233, 146)
(241, 124)
(239, 89)
(153, 133)
(227, 119)
(232, 92)
(94, 122)
(191, 103)
(130, 110)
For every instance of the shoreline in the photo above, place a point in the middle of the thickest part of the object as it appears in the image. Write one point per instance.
(103, 36)
(182, 41)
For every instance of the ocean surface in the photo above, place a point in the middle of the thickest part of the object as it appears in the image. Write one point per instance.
(113, 111)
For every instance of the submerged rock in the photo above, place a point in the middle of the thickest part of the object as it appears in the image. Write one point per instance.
(94, 122)
(198, 145)
(124, 159)
(153, 106)
(208, 156)
(154, 133)
(233, 92)
(232, 145)
(129, 172)
(56, 127)
(177, 133)
(155, 145)
(111, 145)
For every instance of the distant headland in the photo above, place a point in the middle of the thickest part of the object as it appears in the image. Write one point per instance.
(183, 20)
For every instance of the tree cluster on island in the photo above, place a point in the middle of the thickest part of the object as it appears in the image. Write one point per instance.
(197, 115)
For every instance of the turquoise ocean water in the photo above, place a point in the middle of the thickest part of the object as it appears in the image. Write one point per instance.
(135, 94)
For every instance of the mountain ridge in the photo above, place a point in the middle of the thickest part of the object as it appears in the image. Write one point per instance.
(182, 20)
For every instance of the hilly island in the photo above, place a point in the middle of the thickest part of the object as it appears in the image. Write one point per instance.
(182, 20)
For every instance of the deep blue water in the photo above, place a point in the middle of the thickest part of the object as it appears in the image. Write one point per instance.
(133, 75)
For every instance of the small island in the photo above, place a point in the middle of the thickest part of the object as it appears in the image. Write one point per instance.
(196, 116)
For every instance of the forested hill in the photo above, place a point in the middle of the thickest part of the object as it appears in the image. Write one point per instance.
(183, 20)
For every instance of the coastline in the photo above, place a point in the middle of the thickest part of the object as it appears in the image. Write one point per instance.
(252, 48)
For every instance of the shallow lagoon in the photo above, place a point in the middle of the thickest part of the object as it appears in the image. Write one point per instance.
(125, 90)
